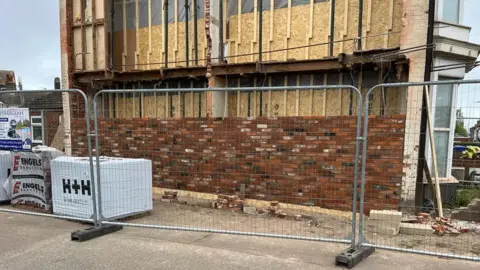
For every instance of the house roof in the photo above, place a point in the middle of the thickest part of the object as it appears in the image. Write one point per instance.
(33, 101)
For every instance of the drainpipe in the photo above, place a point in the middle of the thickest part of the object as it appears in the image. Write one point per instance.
(260, 33)
(419, 190)
(165, 27)
(112, 30)
(195, 33)
(186, 33)
(332, 26)
(360, 22)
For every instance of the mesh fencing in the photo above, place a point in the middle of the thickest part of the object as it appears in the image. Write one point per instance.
(433, 208)
(267, 161)
(280, 174)
(32, 136)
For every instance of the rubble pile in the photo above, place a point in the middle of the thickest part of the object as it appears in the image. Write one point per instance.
(442, 226)
(169, 196)
(231, 202)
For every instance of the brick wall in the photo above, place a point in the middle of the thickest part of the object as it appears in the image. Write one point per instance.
(301, 160)
(50, 123)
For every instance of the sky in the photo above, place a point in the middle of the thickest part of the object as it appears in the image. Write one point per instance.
(30, 45)
(30, 41)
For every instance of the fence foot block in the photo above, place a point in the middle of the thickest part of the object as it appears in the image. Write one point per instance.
(351, 257)
(94, 232)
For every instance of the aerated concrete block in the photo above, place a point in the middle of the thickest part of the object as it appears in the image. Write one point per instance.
(416, 229)
(386, 215)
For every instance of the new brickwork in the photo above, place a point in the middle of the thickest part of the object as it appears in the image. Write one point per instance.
(299, 160)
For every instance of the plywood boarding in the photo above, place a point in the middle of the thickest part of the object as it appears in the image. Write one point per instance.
(149, 105)
(334, 102)
(279, 30)
(143, 46)
(321, 30)
(394, 38)
(199, 104)
(379, 23)
(162, 103)
(352, 26)
(77, 9)
(157, 46)
(100, 41)
(299, 31)
(243, 102)
(99, 9)
(318, 107)
(232, 104)
(291, 103)
(339, 28)
(305, 101)
(89, 47)
(131, 48)
(77, 48)
(120, 103)
(189, 105)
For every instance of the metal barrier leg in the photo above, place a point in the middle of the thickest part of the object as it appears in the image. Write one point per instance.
(355, 254)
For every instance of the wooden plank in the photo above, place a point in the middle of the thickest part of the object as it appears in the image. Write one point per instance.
(434, 154)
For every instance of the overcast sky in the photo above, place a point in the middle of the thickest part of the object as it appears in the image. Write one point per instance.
(30, 43)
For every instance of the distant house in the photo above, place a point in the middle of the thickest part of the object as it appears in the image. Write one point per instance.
(45, 110)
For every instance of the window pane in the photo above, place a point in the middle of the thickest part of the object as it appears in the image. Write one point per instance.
(443, 106)
(450, 11)
(36, 120)
(441, 149)
(37, 133)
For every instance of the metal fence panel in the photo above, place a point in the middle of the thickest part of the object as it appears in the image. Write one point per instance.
(405, 214)
(31, 120)
(282, 176)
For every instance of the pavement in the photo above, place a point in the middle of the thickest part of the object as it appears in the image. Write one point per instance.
(31, 242)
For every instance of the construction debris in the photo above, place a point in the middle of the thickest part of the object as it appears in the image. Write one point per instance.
(442, 226)
(231, 202)
(169, 196)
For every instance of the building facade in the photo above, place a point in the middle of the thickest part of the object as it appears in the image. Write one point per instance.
(132, 44)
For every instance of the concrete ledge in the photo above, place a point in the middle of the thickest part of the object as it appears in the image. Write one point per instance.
(257, 203)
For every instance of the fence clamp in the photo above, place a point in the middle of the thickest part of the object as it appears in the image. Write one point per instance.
(91, 135)
(360, 139)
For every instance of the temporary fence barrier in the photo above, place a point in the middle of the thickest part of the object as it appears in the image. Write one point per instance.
(406, 213)
(288, 176)
(32, 120)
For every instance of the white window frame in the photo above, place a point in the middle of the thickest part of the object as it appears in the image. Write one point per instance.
(38, 125)
(450, 130)
(439, 11)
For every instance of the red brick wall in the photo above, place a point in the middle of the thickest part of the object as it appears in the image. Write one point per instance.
(301, 160)
(50, 125)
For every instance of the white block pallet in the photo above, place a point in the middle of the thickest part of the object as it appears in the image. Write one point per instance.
(126, 187)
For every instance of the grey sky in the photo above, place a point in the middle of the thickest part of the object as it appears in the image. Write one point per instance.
(31, 44)
(31, 41)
